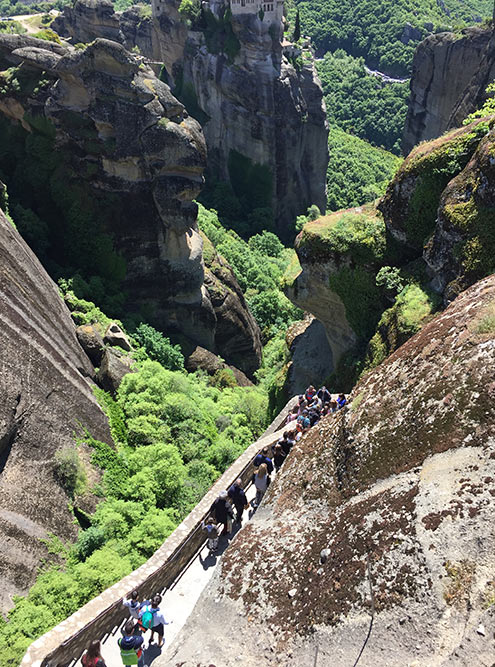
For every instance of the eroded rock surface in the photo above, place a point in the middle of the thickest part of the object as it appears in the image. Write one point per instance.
(256, 104)
(128, 152)
(449, 77)
(47, 399)
(400, 490)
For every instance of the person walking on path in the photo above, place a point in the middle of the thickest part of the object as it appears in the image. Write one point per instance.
(152, 617)
(222, 511)
(212, 531)
(131, 646)
(262, 457)
(261, 481)
(278, 457)
(92, 657)
(132, 603)
(238, 497)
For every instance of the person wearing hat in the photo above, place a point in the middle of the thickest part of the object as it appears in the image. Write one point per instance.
(222, 510)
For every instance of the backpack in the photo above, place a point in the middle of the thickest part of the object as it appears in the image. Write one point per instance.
(147, 618)
(129, 655)
(90, 663)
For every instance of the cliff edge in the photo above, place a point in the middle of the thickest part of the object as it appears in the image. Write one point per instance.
(47, 401)
(377, 536)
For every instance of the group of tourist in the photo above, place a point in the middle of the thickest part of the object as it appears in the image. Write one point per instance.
(310, 408)
(226, 509)
(145, 616)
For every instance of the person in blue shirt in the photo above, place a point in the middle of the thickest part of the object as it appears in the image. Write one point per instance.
(131, 646)
(341, 401)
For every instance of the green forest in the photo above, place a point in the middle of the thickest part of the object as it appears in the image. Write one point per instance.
(376, 30)
(357, 172)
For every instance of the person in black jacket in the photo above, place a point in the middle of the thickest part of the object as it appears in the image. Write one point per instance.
(222, 511)
(262, 457)
(278, 456)
(238, 497)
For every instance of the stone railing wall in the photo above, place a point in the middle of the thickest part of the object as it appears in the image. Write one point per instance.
(65, 643)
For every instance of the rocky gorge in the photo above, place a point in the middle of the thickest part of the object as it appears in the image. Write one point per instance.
(129, 162)
(259, 108)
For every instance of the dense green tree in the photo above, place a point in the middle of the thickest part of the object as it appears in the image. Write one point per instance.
(363, 104)
(375, 29)
(357, 172)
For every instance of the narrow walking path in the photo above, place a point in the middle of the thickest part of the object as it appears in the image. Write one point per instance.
(179, 600)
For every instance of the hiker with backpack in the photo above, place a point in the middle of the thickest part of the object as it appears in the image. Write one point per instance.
(92, 657)
(212, 531)
(131, 646)
(153, 619)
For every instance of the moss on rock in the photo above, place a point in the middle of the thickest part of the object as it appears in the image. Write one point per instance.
(411, 202)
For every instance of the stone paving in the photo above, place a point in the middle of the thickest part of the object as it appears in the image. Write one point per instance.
(178, 601)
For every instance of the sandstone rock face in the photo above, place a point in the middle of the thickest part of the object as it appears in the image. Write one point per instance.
(312, 293)
(311, 355)
(126, 142)
(116, 337)
(91, 342)
(410, 204)
(321, 262)
(46, 398)
(237, 337)
(262, 108)
(114, 365)
(449, 76)
(209, 362)
(88, 20)
(258, 105)
(398, 495)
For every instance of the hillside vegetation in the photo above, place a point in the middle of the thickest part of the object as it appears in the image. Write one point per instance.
(174, 434)
(357, 172)
(384, 32)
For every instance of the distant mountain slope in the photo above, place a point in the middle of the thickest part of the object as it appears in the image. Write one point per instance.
(385, 32)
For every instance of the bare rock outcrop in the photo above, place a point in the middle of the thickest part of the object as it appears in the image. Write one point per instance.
(449, 76)
(130, 159)
(264, 109)
(311, 355)
(324, 288)
(47, 399)
(377, 536)
(256, 104)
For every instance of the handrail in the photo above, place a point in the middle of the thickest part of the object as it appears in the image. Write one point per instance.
(66, 642)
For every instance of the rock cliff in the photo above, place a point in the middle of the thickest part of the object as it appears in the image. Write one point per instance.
(433, 230)
(129, 162)
(334, 272)
(449, 76)
(260, 106)
(46, 401)
(376, 540)
(255, 103)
